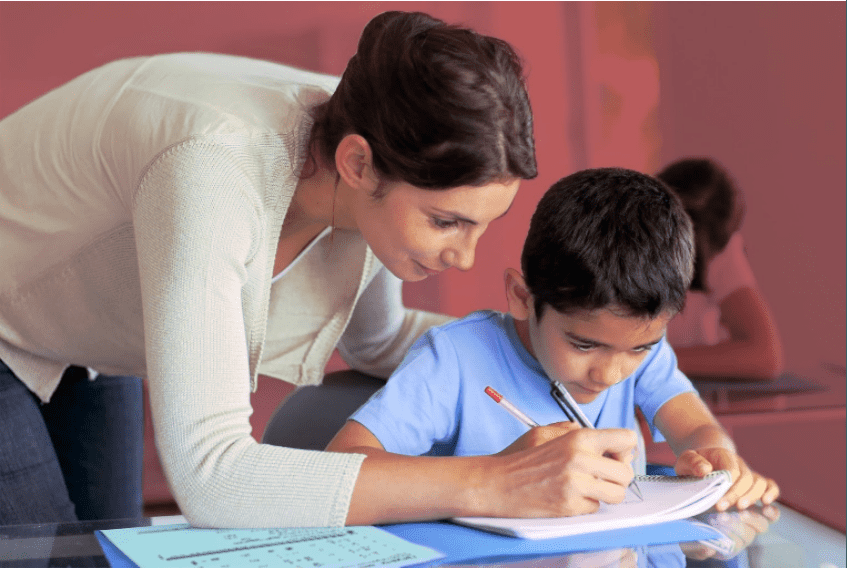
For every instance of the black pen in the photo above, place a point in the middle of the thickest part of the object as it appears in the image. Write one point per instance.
(575, 414)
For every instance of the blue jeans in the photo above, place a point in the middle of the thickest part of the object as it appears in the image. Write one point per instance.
(78, 457)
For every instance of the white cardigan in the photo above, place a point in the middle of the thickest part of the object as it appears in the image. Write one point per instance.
(140, 209)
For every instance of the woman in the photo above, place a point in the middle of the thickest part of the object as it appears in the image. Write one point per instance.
(196, 219)
(726, 328)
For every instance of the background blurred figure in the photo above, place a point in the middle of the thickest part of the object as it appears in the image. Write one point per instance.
(726, 328)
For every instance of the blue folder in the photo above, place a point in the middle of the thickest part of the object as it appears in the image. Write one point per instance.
(466, 545)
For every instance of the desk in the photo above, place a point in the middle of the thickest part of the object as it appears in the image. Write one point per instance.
(794, 541)
(791, 429)
(782, 393)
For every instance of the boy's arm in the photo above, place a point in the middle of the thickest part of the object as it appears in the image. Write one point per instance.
(701, 446)
(353, 438)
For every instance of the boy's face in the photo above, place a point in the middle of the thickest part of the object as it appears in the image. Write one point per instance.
(587, 351)
(590, 351)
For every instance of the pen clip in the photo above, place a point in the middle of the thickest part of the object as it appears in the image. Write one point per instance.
(563, 405)
(566, 403)
(568, 406)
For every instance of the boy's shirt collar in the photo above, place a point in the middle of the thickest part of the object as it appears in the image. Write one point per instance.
(592, 409)
(518, 345)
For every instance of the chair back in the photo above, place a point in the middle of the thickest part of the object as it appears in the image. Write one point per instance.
(310, 416)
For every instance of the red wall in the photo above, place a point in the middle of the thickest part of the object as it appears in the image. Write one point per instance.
(760, 86)
(44, 44)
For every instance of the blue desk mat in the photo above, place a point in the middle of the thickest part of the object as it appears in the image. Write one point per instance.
(467, 545)
(113, 554)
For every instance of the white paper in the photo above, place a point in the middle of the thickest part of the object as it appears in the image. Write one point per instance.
(177, 546)
(666, 498)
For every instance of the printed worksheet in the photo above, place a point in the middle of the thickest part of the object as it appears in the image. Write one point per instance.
(178, 546)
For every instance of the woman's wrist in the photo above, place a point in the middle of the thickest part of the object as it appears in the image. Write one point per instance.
(476, 487)
(395, 488)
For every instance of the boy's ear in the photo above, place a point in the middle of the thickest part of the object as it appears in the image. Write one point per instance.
(517, 295)
(354, 163)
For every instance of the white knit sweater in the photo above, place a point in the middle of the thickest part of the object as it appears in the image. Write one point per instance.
(140, 209)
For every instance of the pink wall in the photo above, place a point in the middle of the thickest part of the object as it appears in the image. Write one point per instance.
(45, 44)
(758, 85)
(761, 87)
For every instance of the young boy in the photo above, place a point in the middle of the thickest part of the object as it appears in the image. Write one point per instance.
(606, 264)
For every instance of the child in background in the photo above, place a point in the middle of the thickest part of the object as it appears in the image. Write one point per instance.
(606, 265)
(726, 328)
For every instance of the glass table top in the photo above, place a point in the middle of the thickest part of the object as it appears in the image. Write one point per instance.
(761, 538)
(812, 389)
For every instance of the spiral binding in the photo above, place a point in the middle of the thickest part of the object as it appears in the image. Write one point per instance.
(677, 478)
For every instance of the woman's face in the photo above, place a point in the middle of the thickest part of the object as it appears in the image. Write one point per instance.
(417, 232)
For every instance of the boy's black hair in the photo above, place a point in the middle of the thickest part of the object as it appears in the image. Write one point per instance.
(609, 238)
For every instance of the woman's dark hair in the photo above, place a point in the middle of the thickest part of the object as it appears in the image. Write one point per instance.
(609, 238)
(441, 106)
(713, 202)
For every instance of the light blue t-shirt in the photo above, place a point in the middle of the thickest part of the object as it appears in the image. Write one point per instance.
(435, 402)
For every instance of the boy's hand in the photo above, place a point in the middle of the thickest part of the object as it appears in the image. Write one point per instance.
(747, 487)
(741, 526)
(539, 435)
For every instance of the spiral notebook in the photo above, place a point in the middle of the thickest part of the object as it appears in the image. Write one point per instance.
(665, 498)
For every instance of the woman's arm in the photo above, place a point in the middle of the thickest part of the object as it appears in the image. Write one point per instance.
(198, 231)
(568, 475)
(753, 350)
(702, 446)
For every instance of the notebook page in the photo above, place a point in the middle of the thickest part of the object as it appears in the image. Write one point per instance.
(665, 499)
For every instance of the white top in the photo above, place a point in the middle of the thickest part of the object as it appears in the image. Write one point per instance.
(699, 321)
(140, 209)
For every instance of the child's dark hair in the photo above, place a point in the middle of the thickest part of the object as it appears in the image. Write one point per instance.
(609, 238)
(441, 106)
(713, 202)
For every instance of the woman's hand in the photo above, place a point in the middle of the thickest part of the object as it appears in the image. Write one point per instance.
(747, 487)
(539, 435)
(568, 475)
